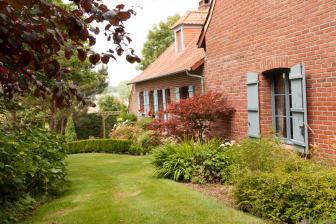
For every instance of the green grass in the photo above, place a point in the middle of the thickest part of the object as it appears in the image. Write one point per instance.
(122, 189)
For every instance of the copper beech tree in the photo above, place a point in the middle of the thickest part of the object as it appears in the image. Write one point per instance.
(34, 32)
(192, 117)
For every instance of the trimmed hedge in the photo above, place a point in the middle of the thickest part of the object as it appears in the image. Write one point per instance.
(101, 146)
(289, 197)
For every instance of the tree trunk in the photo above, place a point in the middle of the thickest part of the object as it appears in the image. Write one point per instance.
(62, 125)
(14, 116)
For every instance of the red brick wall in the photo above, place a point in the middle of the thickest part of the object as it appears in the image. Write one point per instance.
(169, 82)
(259, 35)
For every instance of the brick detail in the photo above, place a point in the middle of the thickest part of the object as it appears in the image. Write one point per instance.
(259, 35)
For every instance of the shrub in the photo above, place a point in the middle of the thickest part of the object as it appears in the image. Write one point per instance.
(174, 162)
(189, 161)
(70, 130)
(144, 123)
(31, 165)
(289, 197)
(193, 116)
(99, 146)
(126, 132)
(148, 140)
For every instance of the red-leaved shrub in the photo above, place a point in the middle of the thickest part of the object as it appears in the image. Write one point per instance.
(192, 117)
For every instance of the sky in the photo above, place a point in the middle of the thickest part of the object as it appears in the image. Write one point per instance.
(149, 12)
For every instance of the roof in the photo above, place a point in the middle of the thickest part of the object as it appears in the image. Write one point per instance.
(170, 62)
(192, 18)
(201, 40)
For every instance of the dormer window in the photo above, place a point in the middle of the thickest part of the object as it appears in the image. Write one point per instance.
(179, 40)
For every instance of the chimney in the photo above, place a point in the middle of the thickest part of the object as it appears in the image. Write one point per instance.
(204, 4)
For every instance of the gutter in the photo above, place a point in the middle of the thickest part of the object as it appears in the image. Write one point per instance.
(196, 76)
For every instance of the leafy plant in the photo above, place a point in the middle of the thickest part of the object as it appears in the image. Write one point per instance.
(35, 32)
(289, 197)
(99, 146)
(31, 165)
(192, 117)
(70, 130)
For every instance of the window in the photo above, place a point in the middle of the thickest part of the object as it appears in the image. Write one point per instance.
(282, 115)
(184, 92)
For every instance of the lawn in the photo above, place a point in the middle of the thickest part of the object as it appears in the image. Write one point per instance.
(121, 189)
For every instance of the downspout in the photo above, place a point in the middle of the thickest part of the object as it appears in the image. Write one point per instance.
(197, 76)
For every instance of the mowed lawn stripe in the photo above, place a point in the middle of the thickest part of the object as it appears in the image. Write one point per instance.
(109, 189)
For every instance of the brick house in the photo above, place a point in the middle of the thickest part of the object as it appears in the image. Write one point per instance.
(177, 73)
(276, 62)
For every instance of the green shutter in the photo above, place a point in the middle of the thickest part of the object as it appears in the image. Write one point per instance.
(156, 101)
(298, 108)
(253, 105)
(191, 91)
(177, 94)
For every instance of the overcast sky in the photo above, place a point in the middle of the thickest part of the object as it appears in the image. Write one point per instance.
(149, 12)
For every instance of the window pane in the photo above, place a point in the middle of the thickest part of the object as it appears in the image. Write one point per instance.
(281, 127)
(280, 105)
(279, 84)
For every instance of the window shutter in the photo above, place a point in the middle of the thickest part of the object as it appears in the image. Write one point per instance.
(164, 99)
(253, 105)
(146, 103)
(139, 102)
(156, 101)
(177, 92)
(191, 90)
(298, 109)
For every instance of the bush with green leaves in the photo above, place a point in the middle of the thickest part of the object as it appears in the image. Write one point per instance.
(32, 164)
(289, 197)
(145, 123)
(126, 132)
(190, 161)
(99, 146)
(70, 130)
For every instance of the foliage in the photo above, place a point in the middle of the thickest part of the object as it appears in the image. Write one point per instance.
(193, 116)
(145, 122)
(289, 197)
(174, 162)
(148, 140)
(126, 132)
(70, 130)
(190, 161)
(127, 117)
(99, 146)
(33, 33)
(269, 181)
(158, 40)
(31, 165)
(110, 104)
(87, 125)
(124, 91)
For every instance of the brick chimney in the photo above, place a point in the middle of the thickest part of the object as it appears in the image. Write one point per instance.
(204, 4)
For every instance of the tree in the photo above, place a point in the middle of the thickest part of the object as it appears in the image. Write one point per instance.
(158, 40)
(33, 33)
(192, 117)
(70, 130)
(110, 104)
(124, 91)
